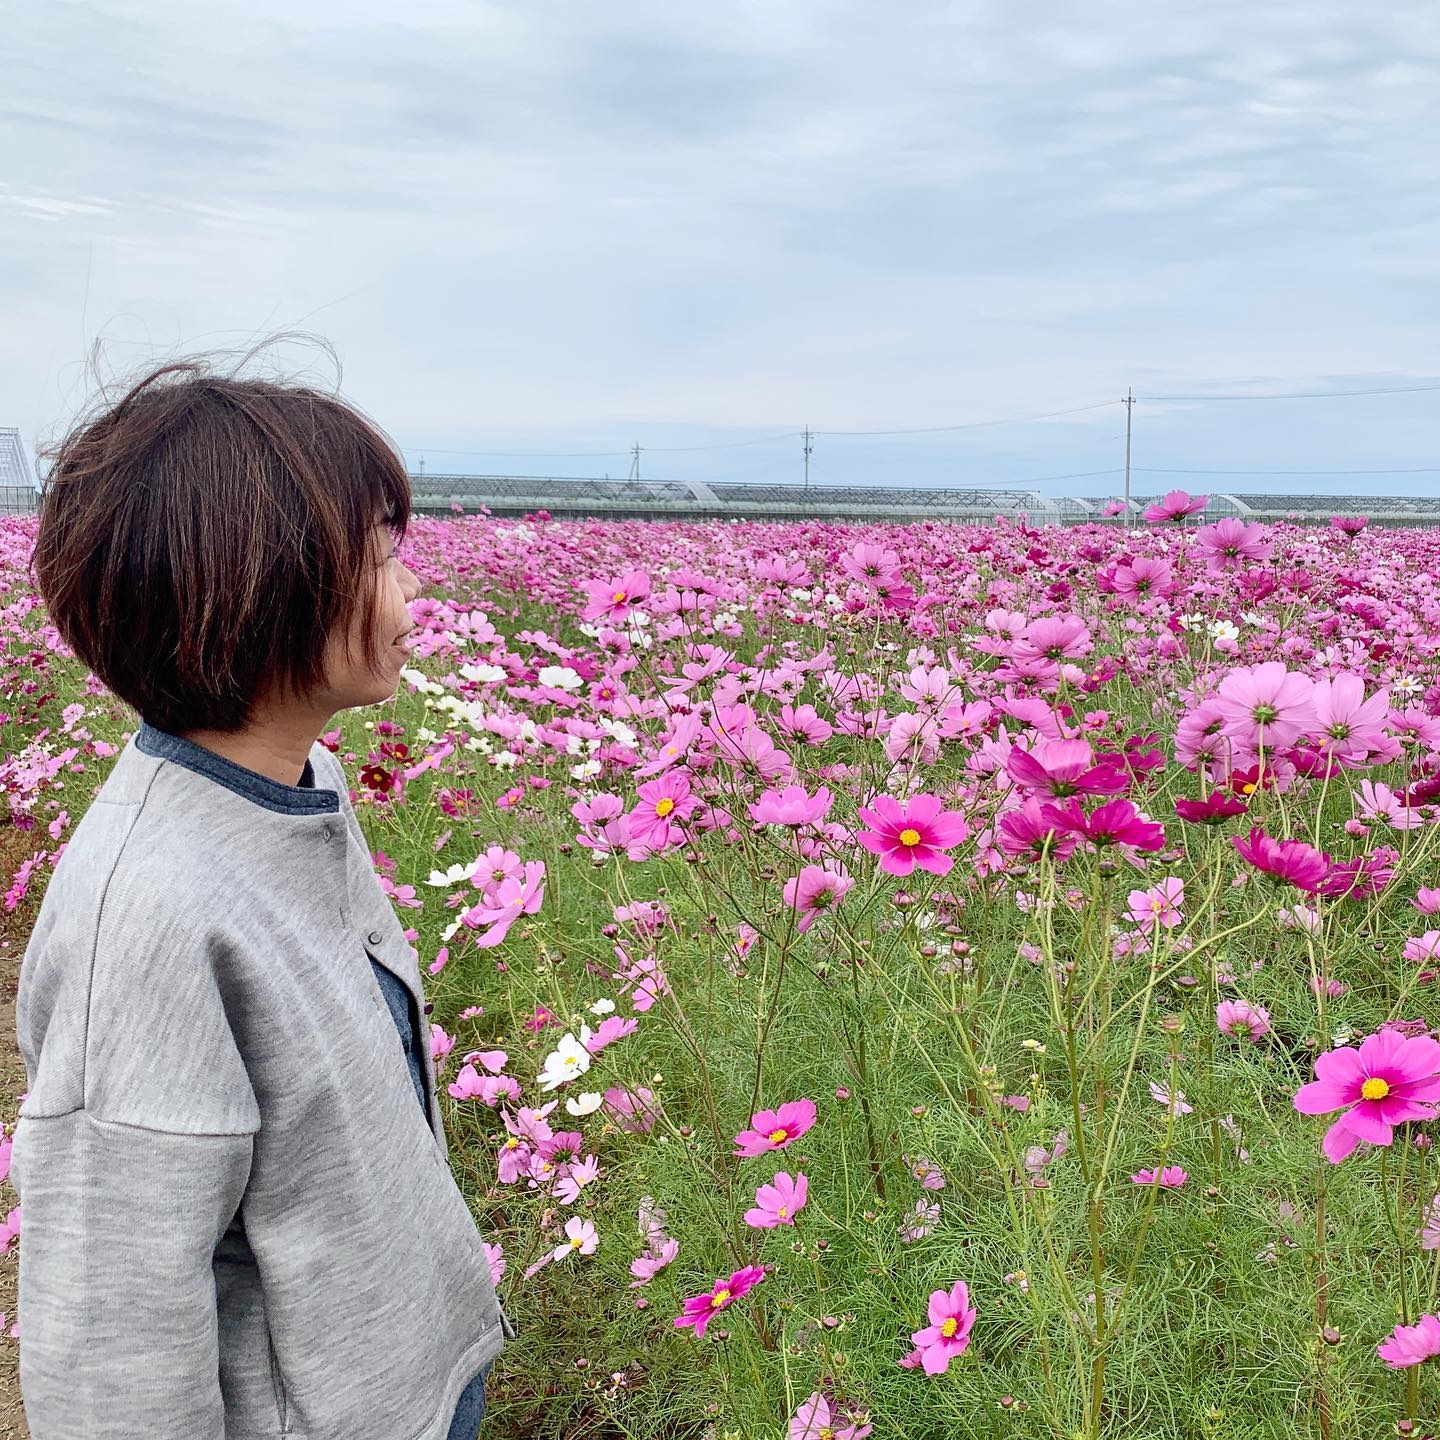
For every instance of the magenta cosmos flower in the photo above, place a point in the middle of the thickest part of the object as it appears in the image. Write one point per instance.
(1390, 1079)
(951, 1319)
(699, 1310)
(1409, 1345)
(911, 835)
(1266, 704)
(1066, 767)
(1291, 861)
(775, 1129)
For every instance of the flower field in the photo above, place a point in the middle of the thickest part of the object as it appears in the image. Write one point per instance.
(924, 981)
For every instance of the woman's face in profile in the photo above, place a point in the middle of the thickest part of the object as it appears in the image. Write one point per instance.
(349, 681)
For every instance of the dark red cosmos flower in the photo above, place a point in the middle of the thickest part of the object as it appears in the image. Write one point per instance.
(1248, 781)
(1213, 810)
(377, 778)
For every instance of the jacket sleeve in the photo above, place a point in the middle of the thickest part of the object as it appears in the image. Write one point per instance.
(117, 1306)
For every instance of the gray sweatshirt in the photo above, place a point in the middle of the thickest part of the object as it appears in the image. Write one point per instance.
(236, 1223)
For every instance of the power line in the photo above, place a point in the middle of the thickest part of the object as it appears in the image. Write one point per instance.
(1413, 470)
(725, 444)
(977, 424)
(1304, 395)
(520, 454)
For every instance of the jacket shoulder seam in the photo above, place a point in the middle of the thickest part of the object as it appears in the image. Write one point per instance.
(139, 807)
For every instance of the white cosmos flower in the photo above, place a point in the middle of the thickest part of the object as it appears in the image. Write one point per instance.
(567, 1060)
(586, 1103)
(453, 876)
(560, 677)
(483, 674)
(586, 770)
(602, 1007)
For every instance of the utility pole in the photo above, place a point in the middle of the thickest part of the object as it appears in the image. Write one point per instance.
(1129, 403)
(809, 436)
(635, 462)
(422, 464)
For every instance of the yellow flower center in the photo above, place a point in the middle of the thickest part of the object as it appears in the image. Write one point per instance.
(909, 837)
(512, 1143)
(719, 1299)
(664, 807)
(776, 1136)
(783, 1212)
(1375, 1088)
(618, 596)
(950, 1327)
(577, 1242)
(827, 1432)
(1248, 788)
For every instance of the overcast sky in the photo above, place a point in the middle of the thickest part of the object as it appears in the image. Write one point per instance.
(573, 226)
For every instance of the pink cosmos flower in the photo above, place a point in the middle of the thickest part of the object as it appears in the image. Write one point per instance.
(1175, 506)
(581, 1238)
(775, 1129)
(647, 1266)
(1390, 1079)
(512, 898)
(663, 805)
(614, 599)
(1266, 704)
(815, 890)
(910, 835)
(1054, 638)
(951, 1317)
(1409, 1345)
(1144, 576)
(495, 1259)
(912, 739)
(803, 725)
(1348, 725)
(1172, 1177)
(1229, 544)
(1427, 901)
(816, 1419)
(794, 805)
(1423, 947)
(700, 1310)
(1240, 1017)
(779, 1203)
(1159, 905)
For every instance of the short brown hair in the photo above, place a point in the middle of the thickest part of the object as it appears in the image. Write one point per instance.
(201, 539)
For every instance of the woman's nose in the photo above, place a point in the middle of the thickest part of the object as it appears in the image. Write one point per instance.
(409, 585)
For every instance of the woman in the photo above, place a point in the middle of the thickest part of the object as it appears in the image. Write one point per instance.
(238, 1222)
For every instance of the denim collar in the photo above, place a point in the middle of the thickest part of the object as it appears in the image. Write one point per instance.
(302, 799)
